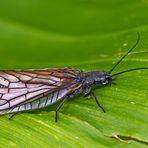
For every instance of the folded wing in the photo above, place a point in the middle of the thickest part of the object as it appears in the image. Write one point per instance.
(33, 89)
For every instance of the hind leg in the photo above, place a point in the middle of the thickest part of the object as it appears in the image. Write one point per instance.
(14, 114)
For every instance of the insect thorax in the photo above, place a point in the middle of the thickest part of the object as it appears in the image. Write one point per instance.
(97, 78)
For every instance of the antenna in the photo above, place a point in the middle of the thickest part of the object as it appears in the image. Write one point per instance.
(121, 59)
(129, 70)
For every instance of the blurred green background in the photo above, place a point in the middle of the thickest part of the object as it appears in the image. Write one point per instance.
(85, 34)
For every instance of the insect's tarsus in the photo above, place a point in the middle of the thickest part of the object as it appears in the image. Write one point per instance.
(121, 59)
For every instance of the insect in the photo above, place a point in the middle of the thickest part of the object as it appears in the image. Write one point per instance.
(24, 90)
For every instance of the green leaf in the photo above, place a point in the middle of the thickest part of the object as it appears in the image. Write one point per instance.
(89, 35)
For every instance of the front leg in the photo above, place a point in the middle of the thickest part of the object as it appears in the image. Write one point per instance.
(88, 92)
(97, 102)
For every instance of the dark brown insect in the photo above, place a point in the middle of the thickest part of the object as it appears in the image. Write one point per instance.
(24, 90)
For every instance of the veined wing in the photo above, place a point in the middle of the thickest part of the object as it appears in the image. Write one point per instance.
(31, 89)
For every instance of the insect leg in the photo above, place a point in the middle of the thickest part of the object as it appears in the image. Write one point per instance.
(97, 102)
(14, 114)
(58, 108)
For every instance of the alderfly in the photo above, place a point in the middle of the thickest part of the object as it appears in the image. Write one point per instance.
(25, 90)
